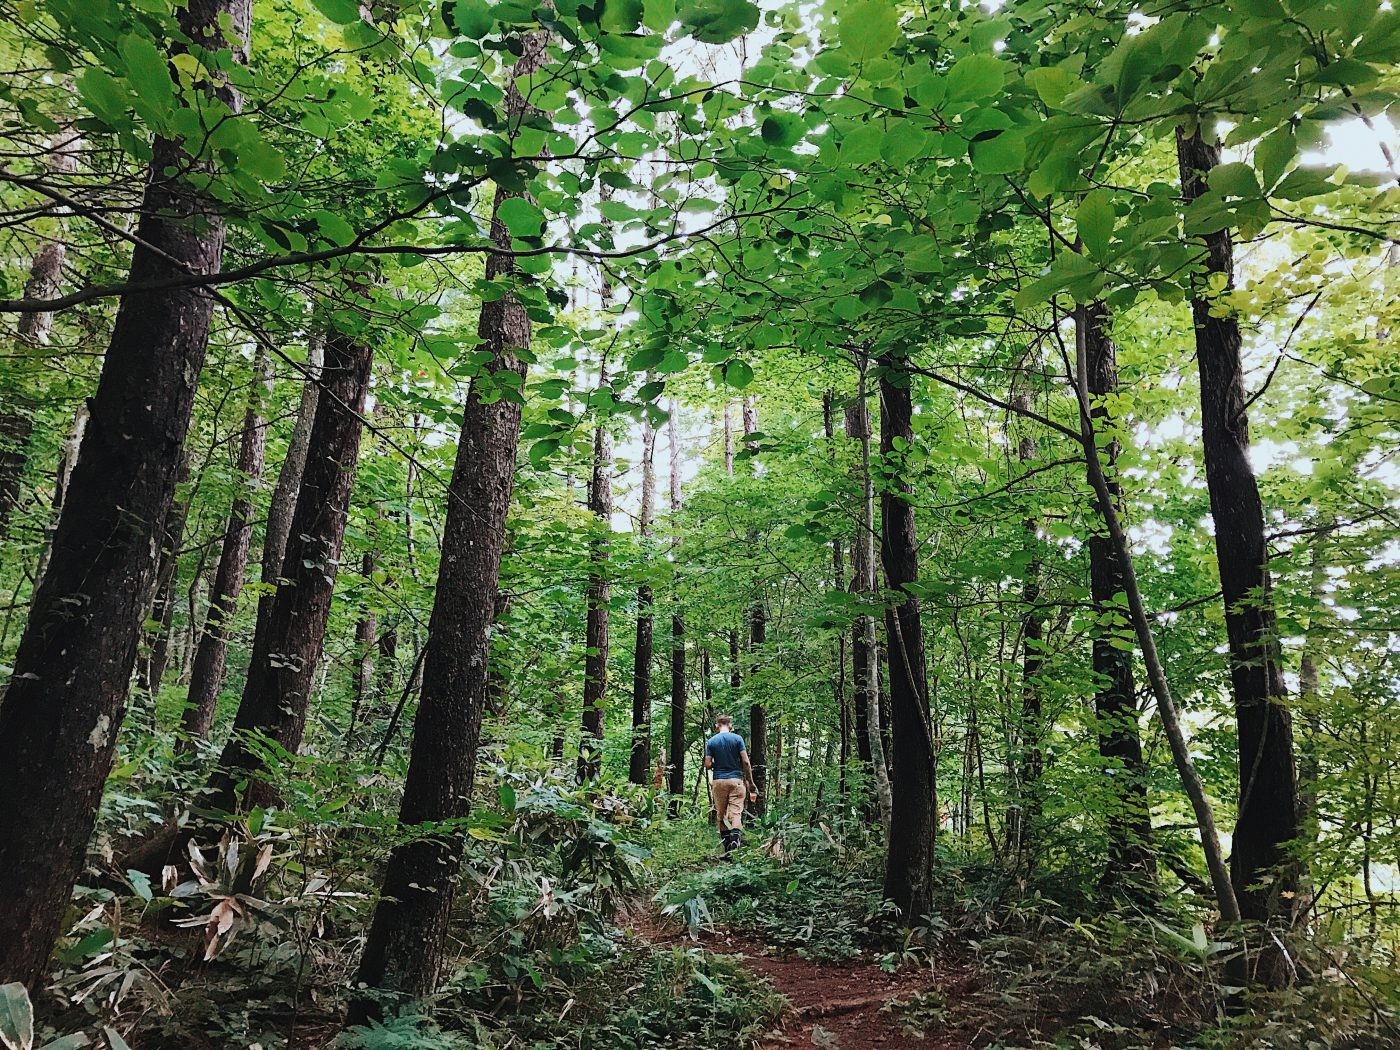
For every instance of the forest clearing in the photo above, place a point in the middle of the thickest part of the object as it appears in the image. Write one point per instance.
(713, 524)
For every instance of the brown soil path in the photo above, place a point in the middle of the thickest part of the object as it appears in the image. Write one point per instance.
(833, 1006)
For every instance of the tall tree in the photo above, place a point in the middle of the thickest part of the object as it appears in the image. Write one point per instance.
(1025, 813)
(67, 693)
(676, 785)
(864, 654)
(1265, 877)
(283, 502)
(909, 860)
(758, 637)
(43, 282)
(288, 643)
(407, 937)
(639, 768)
(595, 656)
(838, 581)
(1115, 702)
(207, 675)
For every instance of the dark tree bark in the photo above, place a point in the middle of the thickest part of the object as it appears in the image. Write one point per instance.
(758, 636)
(869, 746)
(1115, 703)
(595, 659)
(44, 281)
(676, 784)
(151, 670)
(1024, 817)
(207, 676)
(67, 694)
(908, 864)
(838, 580)
(289, 642)
(1265, 877)
(403, 952)
(639, 768)
(366, 642)
(283, 503)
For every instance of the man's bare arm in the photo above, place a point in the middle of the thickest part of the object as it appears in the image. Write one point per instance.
(748, 771)
(709, 762)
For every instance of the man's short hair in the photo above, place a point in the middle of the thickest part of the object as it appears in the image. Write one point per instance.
(725, 720)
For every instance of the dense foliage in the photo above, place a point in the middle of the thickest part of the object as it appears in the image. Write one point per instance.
(418, 421)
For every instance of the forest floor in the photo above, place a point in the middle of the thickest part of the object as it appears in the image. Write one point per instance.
(843, 1005)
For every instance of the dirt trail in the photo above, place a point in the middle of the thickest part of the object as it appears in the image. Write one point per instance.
(833, 1006)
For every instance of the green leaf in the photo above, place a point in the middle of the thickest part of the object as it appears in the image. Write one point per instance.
(341, 12)
(541, 451)
(334, 229)
(1234, 180)
(622, 16)
(999, 153)
(718, 21)
(471, 18)
(506, 794)
(868, 29)
(141, 883)
(782, 129)
(975, 77)
(16, 1017)
(1095, 219)
(738, 374)
(521, 217)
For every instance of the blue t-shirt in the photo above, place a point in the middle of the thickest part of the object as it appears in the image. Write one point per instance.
(726, 750)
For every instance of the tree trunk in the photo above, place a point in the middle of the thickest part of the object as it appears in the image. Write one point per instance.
(289, 642)
(864, 654)
(640, 766)
(44, 281)
(67, 693)
(678, 693)
(1142, 627)
(67, 460)
(758, 636)
(909, 862)
(207, 678)
(838, 581)
(283, 503)
(1025, 814)
(407, 938)
(595, 659)
(151, 670)
(366, 640)
(1265, 877)
(1115, 703)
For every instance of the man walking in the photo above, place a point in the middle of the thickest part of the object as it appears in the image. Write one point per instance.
(728, 761)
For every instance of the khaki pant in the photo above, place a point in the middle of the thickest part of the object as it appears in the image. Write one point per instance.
(729, 798)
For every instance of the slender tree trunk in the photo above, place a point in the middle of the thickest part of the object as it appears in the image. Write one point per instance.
(408, 936)
(67, 693)
(366, 641)
(640, 766)
(909, 862)
(595, 660)
(678, 690)
(1142, 627)
(207, 677)
(1024, 817)
(283, 503)
(1265, 877)
(44, 281)
(864, 653)
(67, 461)
(838, 581)
(151, 670)
(758, 637)
(289, 642)
(1115, 703)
